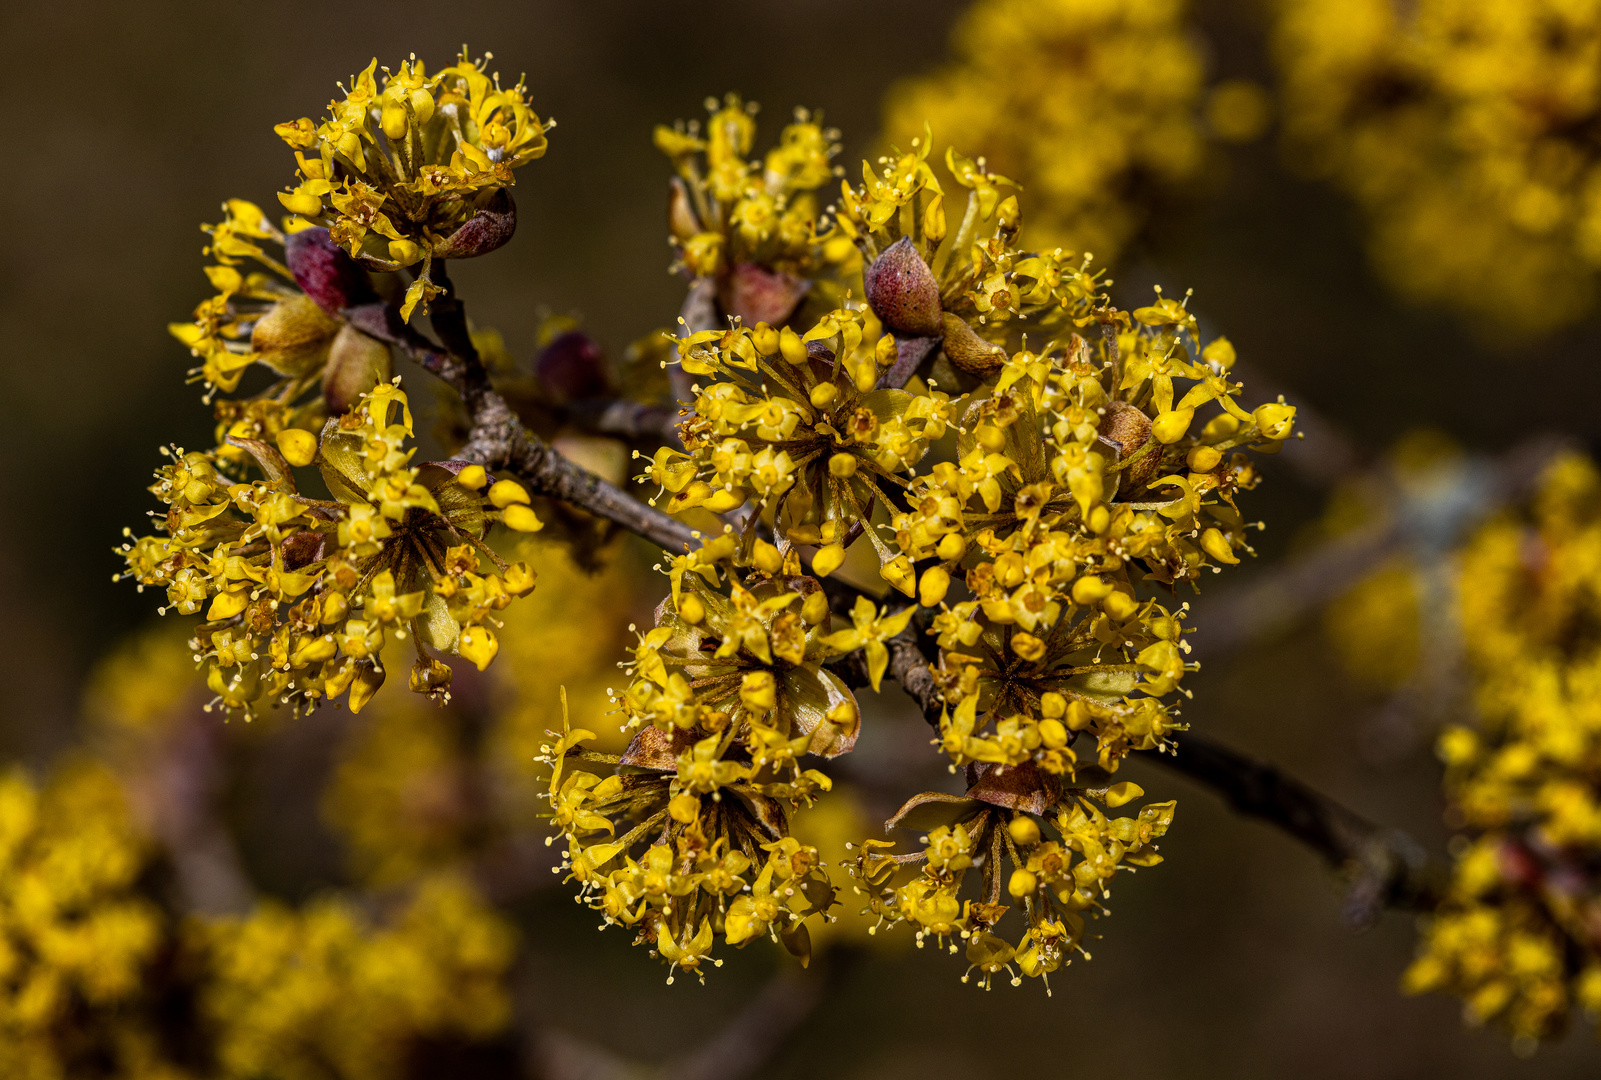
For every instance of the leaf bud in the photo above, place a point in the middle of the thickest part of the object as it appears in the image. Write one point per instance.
(332, 279)
(828, 559)
(482, 233)
(356, 364)
(1022, 883)
(842, 465)
(298, 446)
(968, 351)
(691, 609)
(931, 590)
(1024, 830)
(902, 291)
(572, 368)
(1171, 426)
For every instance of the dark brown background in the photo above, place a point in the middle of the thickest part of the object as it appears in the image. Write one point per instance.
(125, 126)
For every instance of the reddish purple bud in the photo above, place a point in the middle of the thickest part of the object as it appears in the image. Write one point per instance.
(327, 274)
(754, 294)
(902, 291)
(573, 368)
(485, 231)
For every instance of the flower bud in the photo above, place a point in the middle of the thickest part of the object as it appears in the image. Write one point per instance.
(887, 351)
(472, 477)
(842, 465)
(758, 691)
(990, 438)
(1090, 589)
(327, 274)
(1120, 606)
(1024, 830)
(1275, 420)
(1204, 458)
(1171, 426)
(404, 252)
(1099, 520)
(1126, 792)
(519, 517)
(572, 368)
(1053, 733)
(1022, 883)
(505, 492)
(828, 559)
(482, 233)
(393, 120)
(683, 808)
(291, 338)
(823, 395)
(1215, 544)
(1053, 705)
(902, 291)
(931, 590)
(968, 351)
(767, 558)
(356, 364)
(691, 609)
(1027, 646)
(815, 609)
(765, 338)
(952, 546)
(298, 446)
(794, 350)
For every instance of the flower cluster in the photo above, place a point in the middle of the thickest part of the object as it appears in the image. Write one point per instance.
(300, 594)
(1090, 105)
(1517, 935)
(1466, 131)
(321, 992)
(79, 942)
(417, 170)
(1071, 484)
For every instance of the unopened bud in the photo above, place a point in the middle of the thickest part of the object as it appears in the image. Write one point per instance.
(952, 546)
(794, 350)
(1024, 830)
(758, 690)
(765, 338)
(767, 558)
(1053, 733)
(298, 446)
(519, 517)
(1022, 883)
(823, 395)
(990, 438)
(356, 364)
(828, 559)
(1126, 792)
(472, 477)
(902, 291)
(815, 608)
(931, 590)
(1120, 606)
(332, 279)
(368, 678)
(842, 465)
(482, 233)
(1090, 589)
(393, 120)
(505, 492)
(1171, 426)
(1204, 458)
(969, 352)
(691, 609)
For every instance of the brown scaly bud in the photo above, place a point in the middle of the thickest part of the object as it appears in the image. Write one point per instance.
(754, 294)
(902, 291)
(1127, 429)
(968, 351)
(356, 364)
(485, 231)
(572, 368)
(327, 274)
(292, 337)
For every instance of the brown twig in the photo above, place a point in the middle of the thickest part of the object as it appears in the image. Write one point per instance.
(1387, 868)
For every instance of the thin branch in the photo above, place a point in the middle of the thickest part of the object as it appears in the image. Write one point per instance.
(1388, 868)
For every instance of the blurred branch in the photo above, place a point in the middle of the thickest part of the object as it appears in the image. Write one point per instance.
(1386, 867)
(1322, 453)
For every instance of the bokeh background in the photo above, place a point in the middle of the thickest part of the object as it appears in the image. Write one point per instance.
(130, 123)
